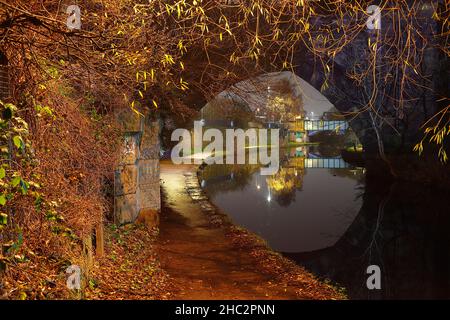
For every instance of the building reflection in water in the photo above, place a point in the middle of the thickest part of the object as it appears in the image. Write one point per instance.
(298, 209)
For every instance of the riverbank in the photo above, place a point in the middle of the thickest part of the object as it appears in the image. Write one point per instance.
(426, 169)
(207, 257)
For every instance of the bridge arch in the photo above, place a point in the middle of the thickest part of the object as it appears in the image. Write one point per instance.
(253, 93)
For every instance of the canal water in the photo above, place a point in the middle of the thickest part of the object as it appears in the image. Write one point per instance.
(321, 212)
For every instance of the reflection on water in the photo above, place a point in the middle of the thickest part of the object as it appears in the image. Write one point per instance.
(328, 219)
(403, 228)
(299, 209)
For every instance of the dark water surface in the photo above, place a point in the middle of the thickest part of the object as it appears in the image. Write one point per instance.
(320, 212)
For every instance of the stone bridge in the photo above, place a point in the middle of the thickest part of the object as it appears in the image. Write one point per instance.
(137, 184)
(342, 93)
(136, 178)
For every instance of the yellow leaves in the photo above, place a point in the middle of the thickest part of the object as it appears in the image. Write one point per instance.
(200, 9)
(143, 74)
(233, 58)
(178, 10)
(442, 154)
(181, 46)
(169, 9)
(155, 104)
(418, 147)
(371, 45)
(167, 59)
(133, 108)
(258, 41)
(181, 65)
(256, 55)
(152, 74)
(435, 16)
(374, 46)
(257, 7)
(203, 27)
(277, 34)
(437, 135)
(411, 66)
(324, 86)
(227, 26)
(183, 84)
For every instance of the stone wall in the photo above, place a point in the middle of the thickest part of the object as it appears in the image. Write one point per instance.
(136, 181)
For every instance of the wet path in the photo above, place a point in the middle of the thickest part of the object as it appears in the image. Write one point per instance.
(201, 260)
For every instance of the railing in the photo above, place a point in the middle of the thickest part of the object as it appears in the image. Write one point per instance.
(317, 125)
(325, 125)
(329, 163)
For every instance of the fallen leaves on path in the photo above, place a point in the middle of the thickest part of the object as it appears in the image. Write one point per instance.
(129, 268)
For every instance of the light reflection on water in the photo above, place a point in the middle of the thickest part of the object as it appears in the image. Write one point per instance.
(336, 224)
(296, 210)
